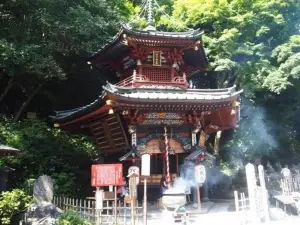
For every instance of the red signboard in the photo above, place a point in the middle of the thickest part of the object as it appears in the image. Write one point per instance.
(107, 175)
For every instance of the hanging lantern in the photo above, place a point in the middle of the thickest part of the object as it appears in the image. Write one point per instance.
(111, 111)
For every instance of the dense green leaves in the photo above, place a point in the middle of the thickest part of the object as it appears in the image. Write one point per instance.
(259, 41)
(247, 36)
(33, 32)
(67, 158)
(41, 38)
(13, 203)
(72, 218)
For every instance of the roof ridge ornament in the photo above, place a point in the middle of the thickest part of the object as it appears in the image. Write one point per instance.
(150, 16)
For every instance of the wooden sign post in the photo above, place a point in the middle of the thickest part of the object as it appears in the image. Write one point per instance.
(145, 172)
(135, 170)
(133, 194)
(200, 177)
(105, 175)
(99, 204)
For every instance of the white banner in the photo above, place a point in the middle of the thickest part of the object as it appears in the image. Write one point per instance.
(146, 160)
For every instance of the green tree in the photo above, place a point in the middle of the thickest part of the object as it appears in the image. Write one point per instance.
(39, 36)
(12, 204)
(245, 36)
(45, 151)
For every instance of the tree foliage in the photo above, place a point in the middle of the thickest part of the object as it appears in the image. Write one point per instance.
(259, 41)
(45, 151)
(72, 218)
(13, 203)
(39, 36)
(246, 36)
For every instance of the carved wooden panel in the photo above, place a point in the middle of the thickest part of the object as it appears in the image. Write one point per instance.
(109, 134)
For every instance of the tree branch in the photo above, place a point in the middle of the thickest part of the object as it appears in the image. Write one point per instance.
(28, 100)
(8, 87)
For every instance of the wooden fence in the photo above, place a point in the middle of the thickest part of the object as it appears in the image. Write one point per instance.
(289, 186)
(242, 207)
(108, 215)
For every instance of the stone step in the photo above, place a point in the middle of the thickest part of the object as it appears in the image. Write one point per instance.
(276, 214)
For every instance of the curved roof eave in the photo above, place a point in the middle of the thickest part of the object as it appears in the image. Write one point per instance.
(178, 100)
(81, 113)
(192, 35)
(227, 95)
(110, 87)
(69, 115)
(7, 149)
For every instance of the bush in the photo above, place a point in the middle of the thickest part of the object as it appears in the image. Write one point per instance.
(12, 204)
(72, 218)
(48, 151)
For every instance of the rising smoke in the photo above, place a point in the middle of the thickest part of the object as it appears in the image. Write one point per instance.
(254, 137)
(185, 181)
(261, 128)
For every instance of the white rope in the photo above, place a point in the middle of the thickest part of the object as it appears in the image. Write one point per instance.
(144, 3)
(161, 9)
(148, 13)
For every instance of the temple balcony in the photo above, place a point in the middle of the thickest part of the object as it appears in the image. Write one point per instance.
(138, 80)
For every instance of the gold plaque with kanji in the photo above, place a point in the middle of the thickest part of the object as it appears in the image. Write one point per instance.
(156, 58)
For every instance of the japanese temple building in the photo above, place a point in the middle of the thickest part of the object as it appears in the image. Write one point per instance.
(154, 107)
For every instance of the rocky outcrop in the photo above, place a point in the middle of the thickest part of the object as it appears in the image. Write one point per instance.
(43, 212)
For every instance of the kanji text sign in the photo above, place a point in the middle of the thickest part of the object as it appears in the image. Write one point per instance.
(200, 174)
(107, 175)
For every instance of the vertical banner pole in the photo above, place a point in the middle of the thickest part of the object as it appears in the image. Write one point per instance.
(145, 201)
(99, 204)
(134, 200)
(97, 208)
(167, 156)
(116, 220)
(198, 198)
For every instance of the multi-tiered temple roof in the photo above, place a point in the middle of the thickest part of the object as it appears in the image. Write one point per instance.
(149, 73)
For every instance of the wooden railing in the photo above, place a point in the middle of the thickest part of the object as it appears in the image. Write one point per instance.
(289, 186)
(137, 80)
(132, 79)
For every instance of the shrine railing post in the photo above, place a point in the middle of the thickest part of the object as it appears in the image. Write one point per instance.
(264, 193)
(252, 192)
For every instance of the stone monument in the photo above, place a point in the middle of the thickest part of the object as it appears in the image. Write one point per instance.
(43, 212)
